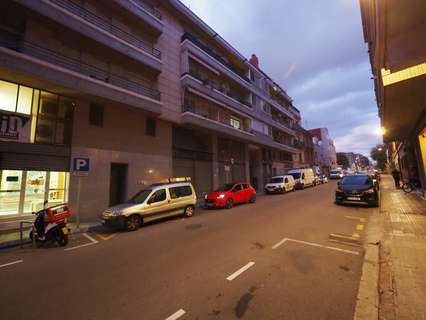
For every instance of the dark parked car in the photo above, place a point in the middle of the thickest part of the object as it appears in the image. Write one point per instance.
(357, 189)
(230, 194)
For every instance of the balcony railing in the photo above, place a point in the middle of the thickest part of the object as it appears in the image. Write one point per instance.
(78, 66)
(215, 116)
(148, 7)
(107, 26)
(214, 85)
(210, 52)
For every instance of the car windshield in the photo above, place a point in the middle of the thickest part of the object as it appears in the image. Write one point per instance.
(277, 180)
(296, 175)
(335, 171)
(356, 180)
(225, 187)
(140, 196)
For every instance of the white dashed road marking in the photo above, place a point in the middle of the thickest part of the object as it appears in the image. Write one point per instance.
(314, 245)
(176, 315)
(240, 271)
(11, 263)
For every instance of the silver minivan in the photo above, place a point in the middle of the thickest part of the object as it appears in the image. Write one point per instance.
(156, 201)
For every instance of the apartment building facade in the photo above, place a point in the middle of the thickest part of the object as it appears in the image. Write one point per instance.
(144, 92)
(395, 32)
(324, 150)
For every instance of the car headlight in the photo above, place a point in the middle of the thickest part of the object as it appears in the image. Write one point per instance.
(221, 196)
(370, 191)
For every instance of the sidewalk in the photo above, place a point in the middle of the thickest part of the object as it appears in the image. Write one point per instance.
(9, 239)
(403, 254)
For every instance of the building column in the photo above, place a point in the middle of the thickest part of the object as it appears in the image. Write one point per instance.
(184, 62)
(215, 162)
(247, 162)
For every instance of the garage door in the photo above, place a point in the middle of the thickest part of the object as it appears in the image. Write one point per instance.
(199, 171)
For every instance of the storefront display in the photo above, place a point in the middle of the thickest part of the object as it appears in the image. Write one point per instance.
(22, 192)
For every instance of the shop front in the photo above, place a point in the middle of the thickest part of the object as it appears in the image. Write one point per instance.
(35, 140)
(23, 192)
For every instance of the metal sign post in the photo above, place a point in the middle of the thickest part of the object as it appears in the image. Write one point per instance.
(81, 167)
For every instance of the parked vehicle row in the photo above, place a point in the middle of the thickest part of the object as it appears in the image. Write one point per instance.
(294, 179)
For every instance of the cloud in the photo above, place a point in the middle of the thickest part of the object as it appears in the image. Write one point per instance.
(315, 50)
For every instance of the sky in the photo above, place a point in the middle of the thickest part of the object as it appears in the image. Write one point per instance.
(315, 50)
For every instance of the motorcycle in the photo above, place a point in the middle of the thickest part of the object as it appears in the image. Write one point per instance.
(50, 225)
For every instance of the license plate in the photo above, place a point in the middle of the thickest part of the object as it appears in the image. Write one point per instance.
(354, 198)
(65, 230)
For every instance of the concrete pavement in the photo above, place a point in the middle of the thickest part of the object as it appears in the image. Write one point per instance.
(403, 254)
(269, 260)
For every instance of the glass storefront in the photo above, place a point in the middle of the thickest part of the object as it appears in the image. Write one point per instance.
(22, 192)
(49, 115)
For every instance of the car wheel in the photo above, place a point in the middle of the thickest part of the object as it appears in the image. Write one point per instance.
(189, 211)
(229, 203)
(253, 199)
(133, 223)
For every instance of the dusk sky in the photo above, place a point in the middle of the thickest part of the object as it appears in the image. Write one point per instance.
(315, 50)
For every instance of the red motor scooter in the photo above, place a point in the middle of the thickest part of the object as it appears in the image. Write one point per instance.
(50, 224)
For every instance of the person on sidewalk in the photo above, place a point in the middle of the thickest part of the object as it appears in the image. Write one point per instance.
(396, 177)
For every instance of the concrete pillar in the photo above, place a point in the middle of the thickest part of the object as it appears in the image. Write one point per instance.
(184, 62)
(215, 162)
(247, 162)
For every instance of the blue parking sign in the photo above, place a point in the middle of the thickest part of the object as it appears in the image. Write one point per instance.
(81, 165)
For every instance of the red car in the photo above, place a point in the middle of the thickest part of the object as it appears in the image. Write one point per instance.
(231, 194)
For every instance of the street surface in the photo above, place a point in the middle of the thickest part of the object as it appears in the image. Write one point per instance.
(268, 260)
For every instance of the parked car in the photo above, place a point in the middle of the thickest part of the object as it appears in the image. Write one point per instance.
(357, 189)
(323, 178)
(302, 177)
(336, 174)
(280, 184)
(230, 194)
(153, 202)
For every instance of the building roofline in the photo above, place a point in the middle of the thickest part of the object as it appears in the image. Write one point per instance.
(190, 15)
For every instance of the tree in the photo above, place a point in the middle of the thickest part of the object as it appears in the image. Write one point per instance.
(378, 154)
(342, 160)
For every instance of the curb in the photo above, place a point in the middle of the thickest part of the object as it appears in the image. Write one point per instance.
(368, 298)
(16, 243)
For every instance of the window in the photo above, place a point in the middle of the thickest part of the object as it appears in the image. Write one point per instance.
(150, 127)
(237, 188)
(96, 115)
(245, 186)
(8, 94)
(179, 192)
(235, 122)
(54, 121)
(286, 180)
(157, 196)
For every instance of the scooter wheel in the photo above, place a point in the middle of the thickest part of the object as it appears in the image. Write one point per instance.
(62, 239)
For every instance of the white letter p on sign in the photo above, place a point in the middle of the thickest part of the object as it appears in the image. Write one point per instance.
(80, 163)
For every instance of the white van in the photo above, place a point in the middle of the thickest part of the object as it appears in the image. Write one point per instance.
(303, 177)
(280, 184)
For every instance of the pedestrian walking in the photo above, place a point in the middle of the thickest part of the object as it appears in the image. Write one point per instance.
(396, 177)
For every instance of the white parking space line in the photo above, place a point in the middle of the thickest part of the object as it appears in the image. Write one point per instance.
(318, 245)
(279, 243)
(176, 315)
(93, 241)
(11, 263)
(90, 238)
(240, 271)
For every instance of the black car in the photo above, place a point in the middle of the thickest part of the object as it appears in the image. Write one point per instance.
(357, 189)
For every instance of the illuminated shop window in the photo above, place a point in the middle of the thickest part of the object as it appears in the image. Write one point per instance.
(8, 94)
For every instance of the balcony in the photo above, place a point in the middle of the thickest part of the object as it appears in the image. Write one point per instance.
(144, 11)
(214, 121)
(56, 68)
(79, 19)
(224, 66)
(148, 7)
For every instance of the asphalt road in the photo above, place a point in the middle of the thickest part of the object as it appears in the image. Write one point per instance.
(268, 260)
